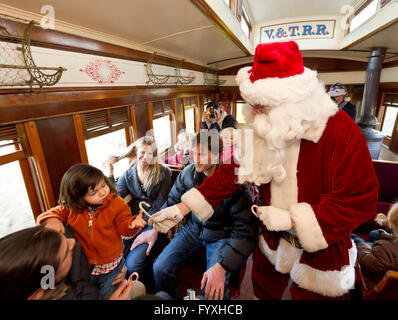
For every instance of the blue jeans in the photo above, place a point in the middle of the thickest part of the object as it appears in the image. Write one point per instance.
(177, 253)
(136, 259)
(104, 281)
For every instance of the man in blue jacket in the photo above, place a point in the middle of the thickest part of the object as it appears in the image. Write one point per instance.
(229, 236)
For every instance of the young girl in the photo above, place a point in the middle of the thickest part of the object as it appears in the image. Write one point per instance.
(229, 142)
(88, 203)
(383, 255)
(183, 149)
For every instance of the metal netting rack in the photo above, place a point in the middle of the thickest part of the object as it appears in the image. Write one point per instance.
(17, 67)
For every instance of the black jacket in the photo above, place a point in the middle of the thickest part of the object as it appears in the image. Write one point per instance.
(231, 219)
(228, 121)
(350, 109)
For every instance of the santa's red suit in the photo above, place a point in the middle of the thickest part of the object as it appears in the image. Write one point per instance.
(316, 178)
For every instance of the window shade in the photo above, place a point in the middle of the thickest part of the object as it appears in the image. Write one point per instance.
(100, 122)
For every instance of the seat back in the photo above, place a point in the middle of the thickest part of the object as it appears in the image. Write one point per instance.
(387, 174)
(386, 289)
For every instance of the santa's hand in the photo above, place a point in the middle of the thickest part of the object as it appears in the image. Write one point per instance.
(165, 219)
(273, 218)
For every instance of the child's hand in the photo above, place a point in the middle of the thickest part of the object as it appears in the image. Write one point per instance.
(54, 223)
(123, 292)
(138, 222)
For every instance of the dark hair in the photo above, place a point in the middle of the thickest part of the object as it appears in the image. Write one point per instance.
(209, 138)
(212, 104)
(22, 255)
(76, 182)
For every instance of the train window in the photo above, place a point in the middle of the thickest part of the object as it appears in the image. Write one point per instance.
(162, 132)
(15, 209)
(190, 120)
(245, 22)
(389, 120)
(99, 148)
(363, 14)
(239, 112)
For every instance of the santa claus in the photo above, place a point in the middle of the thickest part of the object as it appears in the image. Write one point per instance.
(315, 176)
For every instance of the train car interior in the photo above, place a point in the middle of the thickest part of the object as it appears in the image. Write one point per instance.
(81, 81)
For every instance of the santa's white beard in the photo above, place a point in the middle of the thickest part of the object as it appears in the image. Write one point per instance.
(263, 158)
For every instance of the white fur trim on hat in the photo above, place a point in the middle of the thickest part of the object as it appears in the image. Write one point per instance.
(307, 227)
(275, 91)
(337, 92)
(198, 204)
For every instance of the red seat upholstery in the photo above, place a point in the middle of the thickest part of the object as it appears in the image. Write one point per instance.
(387, 174)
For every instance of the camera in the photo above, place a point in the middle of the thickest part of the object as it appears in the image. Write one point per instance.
(211, 112)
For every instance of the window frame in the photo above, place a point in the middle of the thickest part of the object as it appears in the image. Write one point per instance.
(23, 154)
(359, 9)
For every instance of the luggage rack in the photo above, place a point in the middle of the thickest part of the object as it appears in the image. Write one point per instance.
(170, 79)
(17, 67)
(214, 81)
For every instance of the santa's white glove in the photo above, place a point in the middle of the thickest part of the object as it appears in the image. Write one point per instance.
(274, 219)
(165, 219)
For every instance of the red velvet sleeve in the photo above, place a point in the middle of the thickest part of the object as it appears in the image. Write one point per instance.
(220, 185)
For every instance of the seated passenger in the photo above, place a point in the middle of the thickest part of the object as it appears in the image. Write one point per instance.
(24, 253)
(98, 217)
(229, 142)
(375, 260)
(215, 118)
(229, 236)
(146, 180)
(339, 94)
(183, 149)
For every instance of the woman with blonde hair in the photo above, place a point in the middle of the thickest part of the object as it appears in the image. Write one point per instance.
(146, 180)
(375, 260)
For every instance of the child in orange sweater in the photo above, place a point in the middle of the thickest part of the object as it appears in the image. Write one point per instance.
(98, 217)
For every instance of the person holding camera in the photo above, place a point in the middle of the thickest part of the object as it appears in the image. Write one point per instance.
(215, 118)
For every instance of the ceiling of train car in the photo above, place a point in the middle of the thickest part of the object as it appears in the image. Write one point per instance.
(176, 27)
(180, 29)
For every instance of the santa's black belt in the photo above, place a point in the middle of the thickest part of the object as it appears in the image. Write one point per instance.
(292, 239)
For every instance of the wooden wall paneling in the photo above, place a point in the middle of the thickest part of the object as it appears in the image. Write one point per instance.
(201, 104)
(133, 123)
(142, 120)
(196, 114)
(175, 117)
(80, 135)
(41, 165)
(60, 147)
(15, 107)
(180, 114)
(394, 137)
(150, 115)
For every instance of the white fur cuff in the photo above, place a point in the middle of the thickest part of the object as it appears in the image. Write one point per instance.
(198, 204)
(307, 227)
(275, 219)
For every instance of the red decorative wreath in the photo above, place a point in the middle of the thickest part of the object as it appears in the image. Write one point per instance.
(104, 71)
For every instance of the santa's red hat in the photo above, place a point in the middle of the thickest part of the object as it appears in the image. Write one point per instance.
(277, 76)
